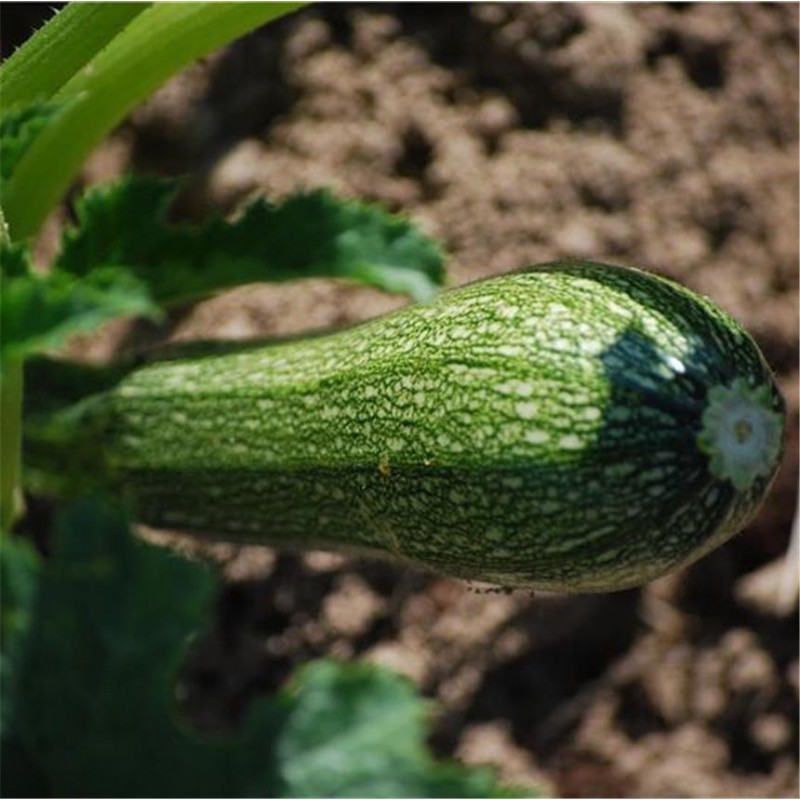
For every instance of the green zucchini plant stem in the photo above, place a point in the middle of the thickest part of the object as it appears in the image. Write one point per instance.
(46, 61)
(157, 43)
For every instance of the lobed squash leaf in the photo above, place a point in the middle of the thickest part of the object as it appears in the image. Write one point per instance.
(306, 235)
(124, 259)
(39, 311)
(92, 641)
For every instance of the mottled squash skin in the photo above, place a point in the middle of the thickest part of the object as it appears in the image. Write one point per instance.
(567, 428)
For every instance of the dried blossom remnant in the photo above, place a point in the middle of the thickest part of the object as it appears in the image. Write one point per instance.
(741, 433)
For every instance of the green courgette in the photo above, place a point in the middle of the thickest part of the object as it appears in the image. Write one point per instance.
(570, 427)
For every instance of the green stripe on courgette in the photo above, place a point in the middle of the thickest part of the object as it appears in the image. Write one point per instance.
(567, 427)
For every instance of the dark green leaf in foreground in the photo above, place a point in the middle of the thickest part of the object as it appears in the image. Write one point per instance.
(94, 650)
(18, 128)
(40, 311)
(306, 235)
(91, 678)
(19, 581)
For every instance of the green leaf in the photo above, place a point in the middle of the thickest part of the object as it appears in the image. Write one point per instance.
(18, 584)
(40, 311)
(91, 709)
(18, 128)
(306, 235)
(92, 690)
(359, 731)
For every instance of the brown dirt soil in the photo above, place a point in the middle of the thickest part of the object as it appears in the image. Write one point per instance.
(659, 135)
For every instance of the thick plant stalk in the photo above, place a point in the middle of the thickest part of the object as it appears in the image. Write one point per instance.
(69, 40)
(160, 41)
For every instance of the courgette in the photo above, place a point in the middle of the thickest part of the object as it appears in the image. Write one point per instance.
(569, 427)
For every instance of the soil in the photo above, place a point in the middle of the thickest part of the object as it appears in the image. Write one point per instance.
(662, 135)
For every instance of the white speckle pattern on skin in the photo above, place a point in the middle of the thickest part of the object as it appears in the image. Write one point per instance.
(537, 436)
(570, 442)
(526, 410)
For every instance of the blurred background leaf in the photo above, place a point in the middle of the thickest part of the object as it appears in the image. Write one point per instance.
(93, 637)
